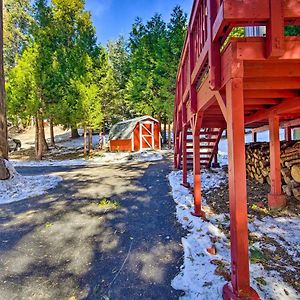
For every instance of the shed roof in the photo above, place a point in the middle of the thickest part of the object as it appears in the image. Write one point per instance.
(123, 130)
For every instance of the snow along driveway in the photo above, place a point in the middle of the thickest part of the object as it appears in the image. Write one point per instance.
(22, 187)
(106, 158)
(202, 274)
(106, 232)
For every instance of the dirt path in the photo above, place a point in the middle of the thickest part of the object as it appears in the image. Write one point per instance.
(65, 244)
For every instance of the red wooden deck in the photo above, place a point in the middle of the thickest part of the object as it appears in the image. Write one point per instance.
(252, 82)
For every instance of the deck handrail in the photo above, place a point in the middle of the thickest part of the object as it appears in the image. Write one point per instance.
(210, 25)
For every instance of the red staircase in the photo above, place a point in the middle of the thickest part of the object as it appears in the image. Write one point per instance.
(209, 140)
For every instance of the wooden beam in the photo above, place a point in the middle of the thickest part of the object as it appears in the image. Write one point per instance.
(261, 102)
(292, 123)
(222, 105)
(288, 105)
(205, 97)
(274, 69)
(269, 94)
(260, 129)
(254, 49)
(274, 83)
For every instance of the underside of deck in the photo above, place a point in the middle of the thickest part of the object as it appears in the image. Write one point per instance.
(268, 85)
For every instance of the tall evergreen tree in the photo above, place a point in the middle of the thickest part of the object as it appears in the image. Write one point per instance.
(118, 64)
(17, 20)
(155, 53)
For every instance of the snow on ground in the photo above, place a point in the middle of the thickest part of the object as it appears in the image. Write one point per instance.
(283, 231)
(77, 143)
(22, 187)
(200, 274)
(49, 163)
(108, 157)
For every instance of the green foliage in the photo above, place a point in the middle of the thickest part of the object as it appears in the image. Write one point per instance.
(106, 203)
(292, 30)
(17, 19)
(22, 100)
(62, 72)
(155, 52)
(256, 256)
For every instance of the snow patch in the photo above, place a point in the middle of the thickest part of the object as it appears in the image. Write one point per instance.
(202, 274)
(108, 157)
(22, 187)
(284, 230)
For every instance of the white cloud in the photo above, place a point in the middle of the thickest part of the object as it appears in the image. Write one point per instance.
(98, 7)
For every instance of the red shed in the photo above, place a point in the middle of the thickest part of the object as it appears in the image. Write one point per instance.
(142, 133)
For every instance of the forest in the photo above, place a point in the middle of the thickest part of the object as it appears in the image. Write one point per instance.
(56, 70)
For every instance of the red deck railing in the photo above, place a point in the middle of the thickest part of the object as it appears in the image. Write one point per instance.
(211, 23)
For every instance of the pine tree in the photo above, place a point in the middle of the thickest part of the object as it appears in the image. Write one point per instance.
(17, 20)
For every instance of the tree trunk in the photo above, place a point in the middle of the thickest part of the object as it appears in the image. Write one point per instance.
(52, 140)
(40, 150)
(165, 132)
(74, 133)
(42, 133)
(84, 141)
(3, 122)
(169, 134)
(36, 135)
(90, 140)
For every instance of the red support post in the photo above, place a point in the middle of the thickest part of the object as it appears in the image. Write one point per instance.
(288, 134)
(196, 126)
(184, 148)
(275, 199)
(254, 137)
(184, 157)
(240, 277)
(177, 150)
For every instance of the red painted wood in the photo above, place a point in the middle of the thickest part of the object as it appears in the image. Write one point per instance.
(126, 145)
(237, 189)
(275, 199)
(242, 86)
(120, 145)
(288, 134)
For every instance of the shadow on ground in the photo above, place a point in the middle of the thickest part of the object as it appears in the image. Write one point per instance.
(65, 244)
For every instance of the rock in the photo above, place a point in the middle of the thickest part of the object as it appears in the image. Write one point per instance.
(4, 173)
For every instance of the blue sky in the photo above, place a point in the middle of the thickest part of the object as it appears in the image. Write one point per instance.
(115, 17)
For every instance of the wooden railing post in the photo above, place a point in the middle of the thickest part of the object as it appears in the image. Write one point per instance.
(214, 55)
(193, 91)
(275, 30)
